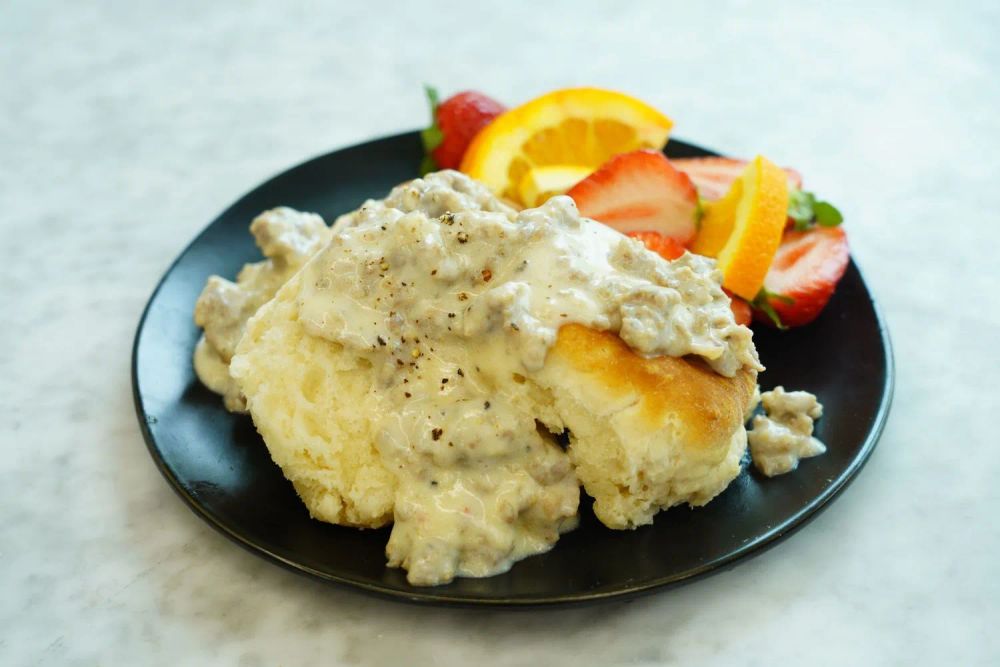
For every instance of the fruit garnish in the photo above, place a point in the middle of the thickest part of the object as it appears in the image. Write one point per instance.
(761, 306)
(804, 274)
(664, 246)
(640, 191)
(540, 183)
(805, 210)
(713, 176)
(575, 126)
(754, 226)
(742, 312)
(454, 123)
(717, 220)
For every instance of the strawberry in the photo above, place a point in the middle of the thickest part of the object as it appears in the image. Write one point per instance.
(713, 175)
(741, 309)
(803, 275)
(454, 124)
(664, 246)
(640, 191)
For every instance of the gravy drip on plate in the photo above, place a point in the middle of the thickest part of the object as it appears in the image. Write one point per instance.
(288, 238)
(783, 435)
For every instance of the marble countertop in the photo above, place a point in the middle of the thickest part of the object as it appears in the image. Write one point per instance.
(124, 129)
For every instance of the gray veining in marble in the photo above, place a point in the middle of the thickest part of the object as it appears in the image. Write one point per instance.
(125, 127)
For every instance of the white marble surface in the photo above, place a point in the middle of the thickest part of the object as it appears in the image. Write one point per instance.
(125, 127)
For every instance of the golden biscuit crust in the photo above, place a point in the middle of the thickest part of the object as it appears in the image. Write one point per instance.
(707, 405)
(645, 434)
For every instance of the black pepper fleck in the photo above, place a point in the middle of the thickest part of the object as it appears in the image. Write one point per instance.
(436, 434)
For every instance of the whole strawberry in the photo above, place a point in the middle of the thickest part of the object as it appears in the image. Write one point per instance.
(454, 123)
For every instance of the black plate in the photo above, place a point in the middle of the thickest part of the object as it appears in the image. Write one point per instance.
(220, 467)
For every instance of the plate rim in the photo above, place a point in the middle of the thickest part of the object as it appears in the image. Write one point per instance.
(802, 516)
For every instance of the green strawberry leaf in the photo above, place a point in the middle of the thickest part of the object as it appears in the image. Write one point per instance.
(432, 136)
(800, 208)
(800, 203)
(762, 302)
(806, 210)
(427, 165)
(699, 212)
(432, 97)
(827, 214)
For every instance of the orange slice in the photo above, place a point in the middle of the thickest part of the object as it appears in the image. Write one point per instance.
(743, 229)
(581, 127)
(717, 221)
(540, 183)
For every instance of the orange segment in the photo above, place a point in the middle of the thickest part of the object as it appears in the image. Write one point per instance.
(756, 227)
(717, 221)
(540, 183)
(578, 127)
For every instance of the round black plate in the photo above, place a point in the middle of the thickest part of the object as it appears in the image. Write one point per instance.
(221, 468)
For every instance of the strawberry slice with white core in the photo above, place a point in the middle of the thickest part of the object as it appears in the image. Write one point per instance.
(713, 176)
(637, 192)
(805, 272)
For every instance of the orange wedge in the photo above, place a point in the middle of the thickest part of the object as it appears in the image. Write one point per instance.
(573, 128)
(743, 229)
(717, 221)
(540, 183)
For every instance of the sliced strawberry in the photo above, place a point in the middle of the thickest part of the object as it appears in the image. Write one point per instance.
(455, 122)
(664, 246)
(741, 309)
(640, 191)
(804, 274)
(713, 175)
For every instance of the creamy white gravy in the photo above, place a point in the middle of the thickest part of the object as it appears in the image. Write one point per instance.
(453, 298)
(287, 238)
(783, 435)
